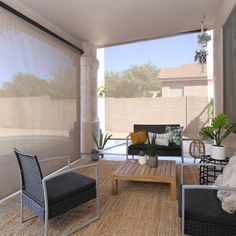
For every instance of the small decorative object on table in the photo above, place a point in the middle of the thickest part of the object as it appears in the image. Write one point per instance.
(100, 141)
(216, 133)
(142, 160)
(197, 149)
(95, 155)
(152, 151)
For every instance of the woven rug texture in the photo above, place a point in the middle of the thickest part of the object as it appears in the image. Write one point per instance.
(139, 209)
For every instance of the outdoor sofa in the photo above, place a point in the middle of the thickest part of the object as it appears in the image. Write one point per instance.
(171, 150)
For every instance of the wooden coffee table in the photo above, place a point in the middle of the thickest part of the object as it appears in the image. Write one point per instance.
(131, 170)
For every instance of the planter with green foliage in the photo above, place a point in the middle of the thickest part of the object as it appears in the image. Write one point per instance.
(142, 160)
(95, 155)
(216, 133)
(203, 38)
(152, 152)
(201, 56)
(100, 140)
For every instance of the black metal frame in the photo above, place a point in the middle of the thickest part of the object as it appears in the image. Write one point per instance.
(208, 174)
(39, 26)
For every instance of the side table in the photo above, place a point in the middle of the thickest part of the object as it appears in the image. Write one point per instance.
(208, 174)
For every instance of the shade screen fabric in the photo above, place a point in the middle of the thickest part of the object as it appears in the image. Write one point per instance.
(38, 97)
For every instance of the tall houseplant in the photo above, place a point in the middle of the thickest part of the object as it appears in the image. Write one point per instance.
(100, 140)
(219, 129)
(152, 151)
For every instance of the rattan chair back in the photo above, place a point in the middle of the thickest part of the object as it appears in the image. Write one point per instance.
(31, 175)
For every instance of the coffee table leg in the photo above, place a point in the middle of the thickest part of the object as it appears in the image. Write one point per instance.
(114, 186)
(173, 190)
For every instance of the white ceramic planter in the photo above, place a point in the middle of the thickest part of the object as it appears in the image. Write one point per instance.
(218, 153)
(142, 160)
(101, 152)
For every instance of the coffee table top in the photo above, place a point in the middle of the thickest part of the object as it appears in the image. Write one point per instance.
(133, 170)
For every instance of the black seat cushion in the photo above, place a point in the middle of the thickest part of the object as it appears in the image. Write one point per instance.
(204, 206)
(159, 147)
(66, 185)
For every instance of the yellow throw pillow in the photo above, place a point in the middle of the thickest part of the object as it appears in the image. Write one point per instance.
(139, 137)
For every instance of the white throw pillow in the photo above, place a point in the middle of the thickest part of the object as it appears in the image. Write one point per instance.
(228, 179)
(161, 139)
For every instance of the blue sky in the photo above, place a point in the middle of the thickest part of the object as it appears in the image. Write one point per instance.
(165, 52)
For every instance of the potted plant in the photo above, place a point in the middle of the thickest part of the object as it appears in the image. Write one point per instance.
(101, 141)
(203, 38)
(219, 129)
(152, 152)
(201, 56)
(95, 155)
(142, 160)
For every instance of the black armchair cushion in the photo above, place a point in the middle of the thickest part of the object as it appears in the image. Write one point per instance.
(203, 205)
(67, 185)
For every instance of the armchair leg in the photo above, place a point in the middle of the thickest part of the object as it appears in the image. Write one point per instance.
(24, 219)
(97, 216)
(46, 222)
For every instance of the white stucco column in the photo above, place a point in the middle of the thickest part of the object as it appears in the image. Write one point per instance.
(89, 116)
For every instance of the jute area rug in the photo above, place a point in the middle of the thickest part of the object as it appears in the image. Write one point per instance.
(140, 208)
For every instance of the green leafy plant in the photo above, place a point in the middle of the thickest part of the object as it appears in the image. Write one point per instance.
(210, 106)
(201, 56)
(151, 146)
(141, 153)
(203, 38)
(101, 139)
(101, 91)
(219, 129)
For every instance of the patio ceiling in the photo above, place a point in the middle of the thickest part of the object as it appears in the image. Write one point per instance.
(110, 22)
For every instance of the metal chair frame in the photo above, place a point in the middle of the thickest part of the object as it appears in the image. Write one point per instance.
(53, 175)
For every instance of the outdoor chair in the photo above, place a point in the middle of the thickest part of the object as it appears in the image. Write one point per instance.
(200, 209)
(56, 193)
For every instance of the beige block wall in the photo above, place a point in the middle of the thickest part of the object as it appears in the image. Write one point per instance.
(122, 113)
(191, 88)
(198, 91)
(37, 113)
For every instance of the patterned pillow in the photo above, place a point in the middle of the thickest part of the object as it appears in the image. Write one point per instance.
(139, 137)
(175, 136)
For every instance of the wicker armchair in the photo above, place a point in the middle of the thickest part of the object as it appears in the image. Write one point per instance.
(200, 209)
(56, 193)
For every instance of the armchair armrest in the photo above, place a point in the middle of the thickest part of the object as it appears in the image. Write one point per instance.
(56, 158)
(53, 175)
(204, 187)
(195, 164)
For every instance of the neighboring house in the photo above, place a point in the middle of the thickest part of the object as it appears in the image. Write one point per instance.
(187, 80)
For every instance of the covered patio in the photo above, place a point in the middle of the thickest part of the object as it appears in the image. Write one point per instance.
(58, 112)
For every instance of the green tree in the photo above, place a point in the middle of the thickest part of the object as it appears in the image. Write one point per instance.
(63, 84)
(137, 81)
(25, 85)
